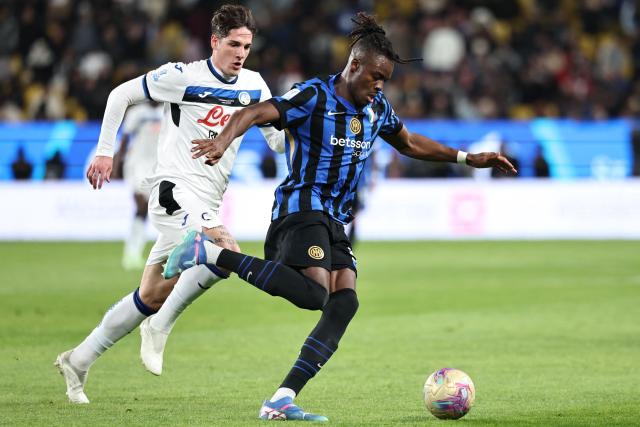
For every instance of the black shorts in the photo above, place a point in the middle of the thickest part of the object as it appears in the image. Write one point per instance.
(309, 239)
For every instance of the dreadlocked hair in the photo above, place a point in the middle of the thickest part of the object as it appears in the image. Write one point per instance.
(370, 35)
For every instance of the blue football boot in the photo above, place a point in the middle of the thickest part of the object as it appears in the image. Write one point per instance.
(284, 409)
(187, 254)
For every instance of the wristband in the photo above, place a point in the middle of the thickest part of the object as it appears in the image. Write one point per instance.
(462, 157)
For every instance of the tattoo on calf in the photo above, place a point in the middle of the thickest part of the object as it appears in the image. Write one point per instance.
(218, 240)
(222, 231)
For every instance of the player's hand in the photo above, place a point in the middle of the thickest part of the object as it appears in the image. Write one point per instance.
(212, 148)
(99, 171)
(491, 160)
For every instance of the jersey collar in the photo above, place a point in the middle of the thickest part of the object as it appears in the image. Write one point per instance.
(218, 75)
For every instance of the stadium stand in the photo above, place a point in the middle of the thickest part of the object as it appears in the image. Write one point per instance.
(482, 59)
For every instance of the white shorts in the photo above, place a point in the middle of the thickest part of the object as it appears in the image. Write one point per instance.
(135, 174)
(174, 212)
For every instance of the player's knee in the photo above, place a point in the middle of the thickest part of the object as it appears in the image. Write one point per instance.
(321, 299)
(344, 304)
(153, 304)
(152, 297)
(315, 299)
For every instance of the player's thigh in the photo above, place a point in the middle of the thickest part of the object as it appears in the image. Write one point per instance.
(201, 217)
(344, 278)
(342, 256)
(319, 275)
(171, 224)
(174, 212)
(154, 288)
(195, 213)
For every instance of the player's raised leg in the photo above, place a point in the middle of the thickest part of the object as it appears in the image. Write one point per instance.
(274, 278)
(124, 316)
(191, 285)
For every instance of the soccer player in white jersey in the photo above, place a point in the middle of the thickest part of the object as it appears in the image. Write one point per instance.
(136, 159)
(199, 98)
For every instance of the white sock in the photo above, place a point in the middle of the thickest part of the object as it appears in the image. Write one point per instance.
(283, 392)
(213, 252)
(192, 283)
(136, 240)
(122, 318)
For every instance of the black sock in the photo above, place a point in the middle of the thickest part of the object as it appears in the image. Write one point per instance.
(323, 340)
(275, 279)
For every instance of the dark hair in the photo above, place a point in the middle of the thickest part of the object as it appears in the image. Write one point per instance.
(368, 35)
(229, 17)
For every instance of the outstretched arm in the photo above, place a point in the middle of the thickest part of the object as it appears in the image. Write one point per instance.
(422, 148)
(258, 114)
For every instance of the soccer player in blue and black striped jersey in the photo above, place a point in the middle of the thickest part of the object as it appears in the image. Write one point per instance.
(331, 124)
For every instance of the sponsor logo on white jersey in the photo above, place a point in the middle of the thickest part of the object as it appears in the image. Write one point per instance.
(216, 116)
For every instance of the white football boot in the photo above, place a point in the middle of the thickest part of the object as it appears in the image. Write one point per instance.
(74, 378)
(152, 346)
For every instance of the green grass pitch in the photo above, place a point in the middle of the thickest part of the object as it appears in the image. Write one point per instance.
(548, 331)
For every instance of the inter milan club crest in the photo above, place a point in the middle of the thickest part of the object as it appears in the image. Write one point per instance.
(315, 252)
(355, 126)
(244, 98)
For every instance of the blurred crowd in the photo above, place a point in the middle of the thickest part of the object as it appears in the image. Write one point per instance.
(481, 58)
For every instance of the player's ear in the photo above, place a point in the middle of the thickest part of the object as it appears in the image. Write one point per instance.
(214, 41)
(355, 65)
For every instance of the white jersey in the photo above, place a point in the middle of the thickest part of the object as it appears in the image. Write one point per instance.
(198, 103)
(142, 127)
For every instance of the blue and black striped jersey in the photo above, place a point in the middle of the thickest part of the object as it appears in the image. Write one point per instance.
(328, 142)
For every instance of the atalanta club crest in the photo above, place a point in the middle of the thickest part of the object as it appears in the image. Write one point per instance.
(244, 98)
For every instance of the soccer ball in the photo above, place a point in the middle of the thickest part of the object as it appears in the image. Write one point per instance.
(449, 393)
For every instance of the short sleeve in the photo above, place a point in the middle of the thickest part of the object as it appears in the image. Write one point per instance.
(274, 138)
(166, 84)
(265, 93)
(392, 123)
(294, 106)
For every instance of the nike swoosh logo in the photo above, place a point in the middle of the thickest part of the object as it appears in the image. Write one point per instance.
(205, 94)
(333, 113)
(249, 275)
